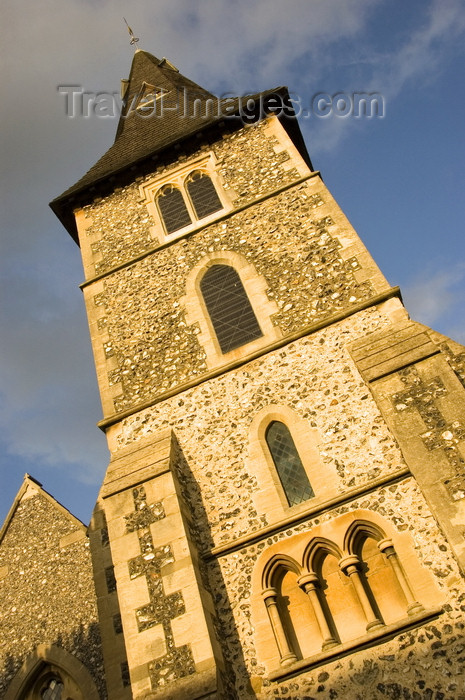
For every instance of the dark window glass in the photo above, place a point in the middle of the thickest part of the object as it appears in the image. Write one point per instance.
(203, 194)
(172, 208)
(288, 464)
(229, 308)
(52, 690)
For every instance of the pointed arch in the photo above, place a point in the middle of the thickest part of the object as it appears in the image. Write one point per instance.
(274, 567)
(45, 662)
(317, 549)
(359, 530)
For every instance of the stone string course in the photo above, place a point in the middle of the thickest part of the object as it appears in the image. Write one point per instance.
(296, 240)
(432, 655)
(155, 350)
(212, 423)
(48, 595)
(246, 163)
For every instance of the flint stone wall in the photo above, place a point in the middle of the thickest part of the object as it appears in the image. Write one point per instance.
(47, 593)
(316, 377)
(247, 164)
(313, 262)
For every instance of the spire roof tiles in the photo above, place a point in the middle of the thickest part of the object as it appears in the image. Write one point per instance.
(161, 107)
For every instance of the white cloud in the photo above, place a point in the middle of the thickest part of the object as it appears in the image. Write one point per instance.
(423, 55)
(437, 297)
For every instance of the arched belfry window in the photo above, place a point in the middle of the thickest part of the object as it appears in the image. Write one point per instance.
(202, 194)
(291, 472)
(229, 308)
(172, 208)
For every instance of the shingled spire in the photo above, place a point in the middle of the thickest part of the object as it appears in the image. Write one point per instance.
(161, 108)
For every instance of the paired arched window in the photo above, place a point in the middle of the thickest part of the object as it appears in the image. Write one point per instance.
(181, 205)
(289, 467)
(228, 306)
(172, 208)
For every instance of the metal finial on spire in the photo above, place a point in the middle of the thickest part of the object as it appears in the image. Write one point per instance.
(134, 39)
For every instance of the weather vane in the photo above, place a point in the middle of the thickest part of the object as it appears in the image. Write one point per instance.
(134, 39)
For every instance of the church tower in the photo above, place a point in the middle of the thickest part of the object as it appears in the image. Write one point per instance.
(283, 513)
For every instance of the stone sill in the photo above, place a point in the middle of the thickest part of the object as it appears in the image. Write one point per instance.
(199, 226)
(311, 510)
(368, 640)
(375, 300)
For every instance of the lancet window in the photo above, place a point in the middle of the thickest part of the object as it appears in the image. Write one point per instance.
(289, 467)
(228, 306)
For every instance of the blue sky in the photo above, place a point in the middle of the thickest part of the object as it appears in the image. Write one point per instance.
(398, 178)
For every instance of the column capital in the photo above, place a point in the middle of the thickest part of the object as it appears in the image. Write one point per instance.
(351, 560)
(268, 593)
(384, 545)
(309, 578)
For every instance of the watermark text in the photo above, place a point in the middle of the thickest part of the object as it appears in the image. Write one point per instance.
(187, 104)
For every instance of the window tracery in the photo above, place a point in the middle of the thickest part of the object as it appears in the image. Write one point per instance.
(182, 198)
(187, 200)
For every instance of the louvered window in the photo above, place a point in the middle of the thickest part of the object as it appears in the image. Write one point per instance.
(172, 208)
(291, 472)
(229, 308)
(202, 193)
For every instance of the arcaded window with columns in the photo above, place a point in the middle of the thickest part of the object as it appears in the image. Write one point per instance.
(302, 593)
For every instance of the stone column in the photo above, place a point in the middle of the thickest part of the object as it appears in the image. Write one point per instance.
(350, 565)
(310, 583)
(286, 655)
(387, 548)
